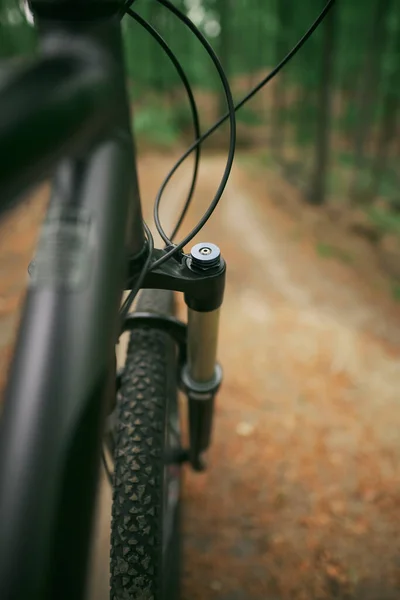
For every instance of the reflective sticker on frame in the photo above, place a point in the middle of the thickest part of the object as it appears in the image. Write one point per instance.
(65, 251)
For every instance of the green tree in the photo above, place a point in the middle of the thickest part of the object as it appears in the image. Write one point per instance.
(317, 190)
(279, 99)
(390, 110)
(369, 92)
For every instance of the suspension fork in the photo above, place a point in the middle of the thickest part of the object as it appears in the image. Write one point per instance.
(202, 375)
(201, 277)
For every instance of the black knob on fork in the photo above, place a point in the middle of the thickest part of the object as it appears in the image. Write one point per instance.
(205, 256)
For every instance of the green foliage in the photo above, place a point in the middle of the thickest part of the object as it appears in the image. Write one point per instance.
(155, 124)
(305, 137)
(181, 116)
(328, 251)
(345, 158)
(162, 123)
(247, 116)
(339, 175)
(396, 291)
(349, 118)
(324, 250)
(390, 183)
(385, 221)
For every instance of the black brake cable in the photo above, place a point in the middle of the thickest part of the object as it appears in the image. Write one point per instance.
(268, 78)
(196, 122)
(222, 120)
(232, 143)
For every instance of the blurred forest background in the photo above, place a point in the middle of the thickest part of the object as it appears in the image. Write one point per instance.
(329, 123)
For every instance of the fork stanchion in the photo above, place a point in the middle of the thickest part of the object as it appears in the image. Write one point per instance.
(202, 344)
(202, 375)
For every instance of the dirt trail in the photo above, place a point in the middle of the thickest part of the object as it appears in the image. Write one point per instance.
(302, 497)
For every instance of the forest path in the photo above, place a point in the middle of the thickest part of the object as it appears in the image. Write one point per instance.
(302, 495)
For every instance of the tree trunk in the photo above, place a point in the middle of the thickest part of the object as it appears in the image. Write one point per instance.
(388, 124)
(278, 87)
(224, 47)
(157, 60)
(368, 92)
(322, 145)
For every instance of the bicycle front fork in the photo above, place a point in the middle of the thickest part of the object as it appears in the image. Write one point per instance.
(201, 277)
(202, 375)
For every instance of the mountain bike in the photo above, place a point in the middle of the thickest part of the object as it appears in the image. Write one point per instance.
(66, 115)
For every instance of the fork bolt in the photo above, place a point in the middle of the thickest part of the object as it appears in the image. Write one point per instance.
(205, 256)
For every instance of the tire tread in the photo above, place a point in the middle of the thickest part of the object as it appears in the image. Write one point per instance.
(136, 538)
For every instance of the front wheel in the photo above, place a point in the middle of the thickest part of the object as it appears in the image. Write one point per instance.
(145, 536)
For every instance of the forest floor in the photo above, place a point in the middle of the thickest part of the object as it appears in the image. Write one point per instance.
(302, 496)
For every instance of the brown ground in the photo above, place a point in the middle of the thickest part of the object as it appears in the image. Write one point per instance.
(302, 496)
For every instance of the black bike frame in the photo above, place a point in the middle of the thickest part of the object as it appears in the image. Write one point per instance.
(66, 114)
